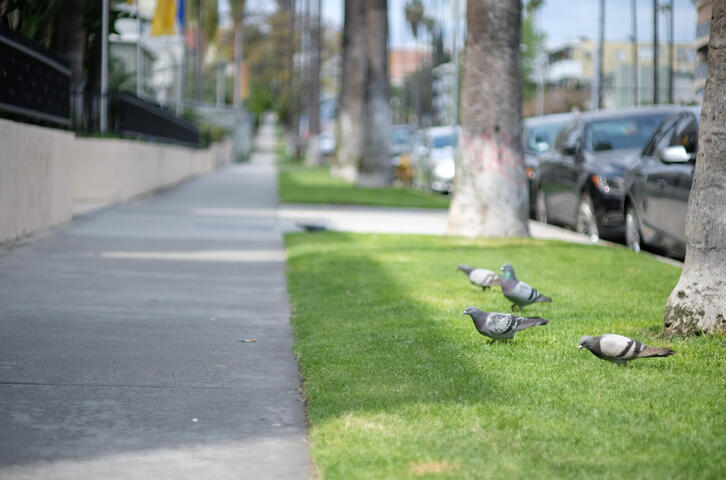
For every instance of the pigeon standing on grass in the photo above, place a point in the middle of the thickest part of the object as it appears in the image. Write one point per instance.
(481, 277)
(519, 293)
(619, 349)
(500, 326)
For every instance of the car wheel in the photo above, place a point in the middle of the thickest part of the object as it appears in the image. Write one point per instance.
(633, 239)
(586, 220)
(541, 207)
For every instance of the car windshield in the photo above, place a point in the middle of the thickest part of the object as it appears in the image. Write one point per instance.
(621, 133)
(400, 136)
(442, 141)
(541, 137)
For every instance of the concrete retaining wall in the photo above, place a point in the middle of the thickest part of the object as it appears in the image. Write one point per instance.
(110, 170)
(35, 178)
(44, 171)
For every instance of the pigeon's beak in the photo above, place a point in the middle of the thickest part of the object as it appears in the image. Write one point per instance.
(463, 313)
(579, 347)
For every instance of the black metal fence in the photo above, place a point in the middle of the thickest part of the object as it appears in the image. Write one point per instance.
(131, 116)
(34, 83)
(35, 86)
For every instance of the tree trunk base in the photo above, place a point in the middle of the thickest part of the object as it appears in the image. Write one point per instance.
(312, 155)
(372, 180)
(348, 173)
(698, 304)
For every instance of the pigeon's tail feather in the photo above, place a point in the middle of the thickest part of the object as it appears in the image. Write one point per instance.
(531, 322)
(542, 298)
(655, 352)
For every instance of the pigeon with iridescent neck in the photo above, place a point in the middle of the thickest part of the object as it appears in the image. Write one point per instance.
(517, 292)
(481, 277)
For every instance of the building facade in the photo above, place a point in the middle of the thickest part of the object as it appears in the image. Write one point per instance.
(572, 65)
(700, 46)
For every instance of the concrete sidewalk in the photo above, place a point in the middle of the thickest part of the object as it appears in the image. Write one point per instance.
(394, 220)
(122, 340)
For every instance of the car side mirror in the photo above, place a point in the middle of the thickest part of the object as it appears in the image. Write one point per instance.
(675, 154)
(569, 149)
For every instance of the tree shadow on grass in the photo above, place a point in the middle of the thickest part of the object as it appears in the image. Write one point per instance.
(380, 336)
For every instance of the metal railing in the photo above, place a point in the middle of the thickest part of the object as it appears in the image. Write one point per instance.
(130, 116)
(34, 83)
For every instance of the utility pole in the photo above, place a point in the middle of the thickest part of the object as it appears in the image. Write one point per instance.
(455, 60)
(220, 84)
(138, 50)
(655, 52)
(104, 67)
(312, 157)
(671, 96)
(634, 72)
(598, 87)
(238, 45)
(182, 17)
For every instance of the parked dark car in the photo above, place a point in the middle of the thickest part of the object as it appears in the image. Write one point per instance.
(539, 135)
(658, 184)
(581, 182)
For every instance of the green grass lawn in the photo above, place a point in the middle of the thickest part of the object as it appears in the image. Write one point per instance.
(299, 184)
(399, 385)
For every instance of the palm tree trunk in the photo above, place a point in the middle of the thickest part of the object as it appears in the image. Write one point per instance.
(351, 119)
(490, 189)
(375, 166)
(698, 303)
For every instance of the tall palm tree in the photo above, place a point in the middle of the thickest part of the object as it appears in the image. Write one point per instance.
(490, 190)
(351, 117)
(697, 302)
(374, 169)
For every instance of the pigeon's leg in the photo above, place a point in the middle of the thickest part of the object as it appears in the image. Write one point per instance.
(515, 307)
(485, 288)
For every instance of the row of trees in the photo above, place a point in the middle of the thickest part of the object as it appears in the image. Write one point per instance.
(490, 192)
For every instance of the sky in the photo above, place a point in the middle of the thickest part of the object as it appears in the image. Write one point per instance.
(561, 20)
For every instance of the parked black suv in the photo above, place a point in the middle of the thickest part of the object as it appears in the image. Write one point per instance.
(658, 184)
(581, 181)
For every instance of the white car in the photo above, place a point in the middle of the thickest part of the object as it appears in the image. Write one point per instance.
(434, 158)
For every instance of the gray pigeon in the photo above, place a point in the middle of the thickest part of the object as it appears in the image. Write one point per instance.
(481, 277)
(500, 326)
(620, 350)
(519, 293)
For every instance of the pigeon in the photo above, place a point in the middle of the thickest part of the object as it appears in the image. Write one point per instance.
(517, 292)
(619, 349)
(481, 277)
(500, 326)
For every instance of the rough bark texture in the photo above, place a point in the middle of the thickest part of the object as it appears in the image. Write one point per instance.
(374, 169)
(351, 119)
(698, 303)
(490, 187)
